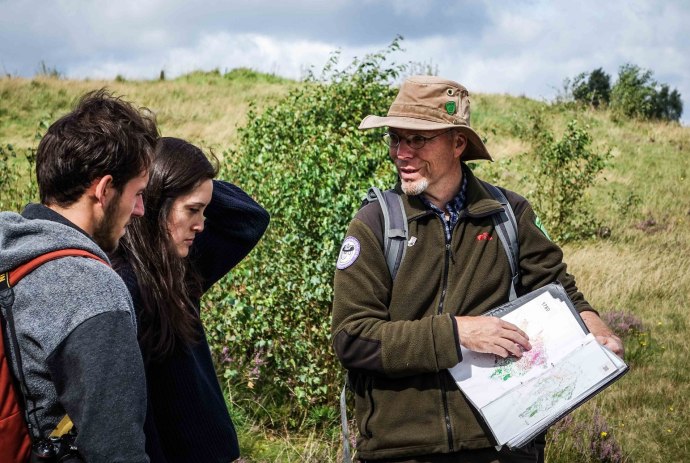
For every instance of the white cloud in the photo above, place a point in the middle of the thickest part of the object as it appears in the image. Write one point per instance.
(530, 47)
(519, 47)
(222, 51)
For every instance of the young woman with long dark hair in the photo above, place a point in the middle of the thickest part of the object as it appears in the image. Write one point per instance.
(195, 229)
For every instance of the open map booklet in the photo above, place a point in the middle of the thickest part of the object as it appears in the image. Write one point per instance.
(520, 398)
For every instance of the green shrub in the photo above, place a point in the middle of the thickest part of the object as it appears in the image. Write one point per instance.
(305, 161)
(18, 184)
(563, 170)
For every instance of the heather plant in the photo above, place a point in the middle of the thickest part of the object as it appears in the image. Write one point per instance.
(587, 438)
(623, 323)
(305, 161)
(640, 346)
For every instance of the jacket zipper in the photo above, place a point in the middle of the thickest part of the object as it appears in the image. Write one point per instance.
(445, 277)
(444, 394)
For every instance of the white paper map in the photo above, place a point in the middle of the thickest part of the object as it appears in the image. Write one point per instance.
(554, 392)
(552, 331)
(520, 397)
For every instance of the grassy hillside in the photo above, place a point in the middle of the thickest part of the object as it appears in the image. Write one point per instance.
(204, 108)
(641, 270)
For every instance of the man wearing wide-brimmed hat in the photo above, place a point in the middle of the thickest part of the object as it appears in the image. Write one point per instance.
(398, 336)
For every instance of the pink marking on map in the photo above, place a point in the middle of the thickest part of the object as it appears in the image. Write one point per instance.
(506, 368)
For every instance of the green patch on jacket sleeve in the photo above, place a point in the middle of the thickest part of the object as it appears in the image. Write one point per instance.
(540, 226)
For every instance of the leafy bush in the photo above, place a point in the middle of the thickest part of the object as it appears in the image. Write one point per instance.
(305, 161)
(563, 171)
(18, 185)
(636, 94)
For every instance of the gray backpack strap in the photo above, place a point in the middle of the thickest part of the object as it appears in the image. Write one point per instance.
(347, 458)
(506, 227)
(394, 226)
(394, 246)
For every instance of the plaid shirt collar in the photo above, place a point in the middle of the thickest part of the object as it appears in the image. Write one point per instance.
(453, 208)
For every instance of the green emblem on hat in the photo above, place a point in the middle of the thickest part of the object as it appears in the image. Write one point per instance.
(450, 107)
(540, 226)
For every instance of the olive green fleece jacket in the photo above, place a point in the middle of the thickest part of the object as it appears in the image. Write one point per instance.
(397, 339)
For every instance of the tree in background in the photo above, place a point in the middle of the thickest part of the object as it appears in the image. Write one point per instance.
(593, 89)
(668, 105)
(637, 95)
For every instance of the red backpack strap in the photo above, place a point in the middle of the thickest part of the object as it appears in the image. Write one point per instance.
(15, 443)
(11, 278)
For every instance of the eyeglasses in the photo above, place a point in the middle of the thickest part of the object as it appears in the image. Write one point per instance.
(415, 142)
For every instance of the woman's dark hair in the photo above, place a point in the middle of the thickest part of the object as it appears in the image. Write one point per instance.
(103, 135)
(166, 281)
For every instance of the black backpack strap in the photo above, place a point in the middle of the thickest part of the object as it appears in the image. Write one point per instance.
(6, 301)
(395, 232)
(506, 227)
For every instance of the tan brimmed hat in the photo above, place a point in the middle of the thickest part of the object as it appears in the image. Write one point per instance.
(431, 103)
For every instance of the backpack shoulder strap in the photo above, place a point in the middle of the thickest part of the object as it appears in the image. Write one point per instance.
(15, 443)
(394, 244)
(344, 425)
(8, 280)
(506, 227)
(11, 278)
(394, 226)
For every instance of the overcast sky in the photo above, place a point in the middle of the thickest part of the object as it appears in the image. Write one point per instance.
(520, 47)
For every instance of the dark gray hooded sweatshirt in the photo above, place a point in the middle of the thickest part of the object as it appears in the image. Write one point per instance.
(77, 337)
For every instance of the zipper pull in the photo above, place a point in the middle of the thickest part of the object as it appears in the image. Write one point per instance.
(452, 259)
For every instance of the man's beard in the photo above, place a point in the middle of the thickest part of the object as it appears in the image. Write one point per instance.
(105, 234)
(415, 188)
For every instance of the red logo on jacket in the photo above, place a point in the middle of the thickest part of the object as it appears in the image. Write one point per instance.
(484, 237)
